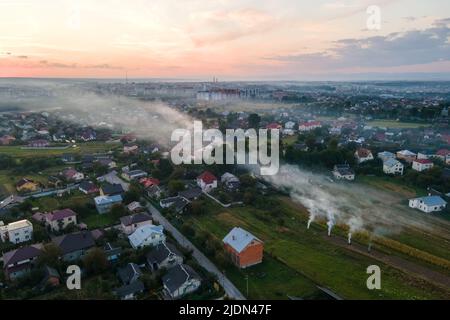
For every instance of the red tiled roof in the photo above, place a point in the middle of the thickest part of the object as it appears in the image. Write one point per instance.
(363, 153)
(423, 161)
(148, 182)
(273, 126)
(311, 124)
(69, 172)
(207, 177)
(443, 152)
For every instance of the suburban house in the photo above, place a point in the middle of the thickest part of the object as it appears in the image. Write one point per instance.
(428, 204)
(178, 203)
(60, 219)
(105, 203)
(26, 185)
(444, 155)
(107, 162)
(164, 255)
(134, 174)
(207, 181)
(129, 224)
(274, 126)
(54, 182)
(181, 280)
(129, 291)
(406, 155)
(289, 128)
(343, 172)
(129, 276)
(191, 193)
(109, 189)
(363, 154)
(230, 181)
(16, 232)
(385, 155)
(41, 143)
(154, 191)
(149, 182)
(130, 273)
(393, 166)
(10, 202)
(74, 245)
(147, 235)
(51, 278)
(20, 261)
(422, 164)
(6, 140)
(130, 148)
(135, 207)
(71, 174)
(309, 126)
(244, 248)
(87, 187)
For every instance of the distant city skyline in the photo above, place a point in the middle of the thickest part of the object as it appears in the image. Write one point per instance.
(230, 40)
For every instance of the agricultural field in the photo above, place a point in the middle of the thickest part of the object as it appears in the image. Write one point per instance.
(390, 184)
(392, 124)
(305, 256)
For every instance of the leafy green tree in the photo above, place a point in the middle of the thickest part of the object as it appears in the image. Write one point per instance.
(254, 120)
(50, 255)
(175, 186)
(95, 261)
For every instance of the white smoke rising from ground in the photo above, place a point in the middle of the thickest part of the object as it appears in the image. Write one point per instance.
(330, 222)
(358, 206)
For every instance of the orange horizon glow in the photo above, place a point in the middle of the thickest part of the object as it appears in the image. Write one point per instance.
(199, 39)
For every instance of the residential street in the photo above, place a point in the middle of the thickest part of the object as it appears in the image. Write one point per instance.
(228, 286)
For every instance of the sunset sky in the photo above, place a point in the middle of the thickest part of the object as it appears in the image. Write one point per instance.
(199, 39)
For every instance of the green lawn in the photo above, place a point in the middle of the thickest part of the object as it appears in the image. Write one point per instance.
(281, 280)
(76, 199)
(94, 221)
(290, 140)
(396, 124)
(307, 252)
(86, 147)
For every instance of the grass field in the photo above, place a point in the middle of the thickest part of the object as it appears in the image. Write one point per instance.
(391, 184)
(87, 147)
(290, 140)
(396, 124)
(308, 253)
(77, 199)
(98, 220)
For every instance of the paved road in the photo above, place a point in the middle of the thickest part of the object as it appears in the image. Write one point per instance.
(228, 286)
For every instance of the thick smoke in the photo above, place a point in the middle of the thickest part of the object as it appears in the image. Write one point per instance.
(76, 103)
(355, 205)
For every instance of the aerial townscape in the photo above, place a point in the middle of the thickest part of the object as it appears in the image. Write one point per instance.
(364, 179)
(210, 159)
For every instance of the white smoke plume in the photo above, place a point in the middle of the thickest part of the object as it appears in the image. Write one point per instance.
(153, 120)
(358, 206)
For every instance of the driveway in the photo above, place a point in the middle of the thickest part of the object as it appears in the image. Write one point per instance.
(227, 285)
